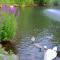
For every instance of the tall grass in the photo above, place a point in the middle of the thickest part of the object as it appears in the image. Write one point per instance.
(8, 27)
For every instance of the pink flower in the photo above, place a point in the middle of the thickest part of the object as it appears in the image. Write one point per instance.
(12, 9)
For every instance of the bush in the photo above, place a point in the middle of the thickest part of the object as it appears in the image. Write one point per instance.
(8, 27)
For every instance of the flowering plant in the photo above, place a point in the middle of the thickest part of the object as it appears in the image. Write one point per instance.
(8, 26)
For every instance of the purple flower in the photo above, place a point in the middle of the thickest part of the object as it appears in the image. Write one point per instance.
(12, 9)
(4, 8)
(9, 9)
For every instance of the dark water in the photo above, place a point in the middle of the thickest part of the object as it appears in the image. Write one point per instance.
(33, 22)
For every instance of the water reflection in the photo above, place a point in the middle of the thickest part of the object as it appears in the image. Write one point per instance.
(53, 14)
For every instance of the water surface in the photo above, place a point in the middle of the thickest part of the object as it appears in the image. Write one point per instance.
(33, 22)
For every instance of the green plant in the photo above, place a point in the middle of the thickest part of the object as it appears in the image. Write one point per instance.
(7, 1)
(8, 27)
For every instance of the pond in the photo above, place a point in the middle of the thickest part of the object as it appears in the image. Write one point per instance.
(33, 22)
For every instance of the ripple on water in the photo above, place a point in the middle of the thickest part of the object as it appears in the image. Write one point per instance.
(28, 51)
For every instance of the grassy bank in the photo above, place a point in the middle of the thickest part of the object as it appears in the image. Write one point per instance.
(24, 3)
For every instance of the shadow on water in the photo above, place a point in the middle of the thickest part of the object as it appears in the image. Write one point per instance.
(32, 22)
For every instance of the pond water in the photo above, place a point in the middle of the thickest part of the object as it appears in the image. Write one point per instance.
(33, 22)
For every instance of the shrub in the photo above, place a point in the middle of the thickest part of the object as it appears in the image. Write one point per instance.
(8, 27)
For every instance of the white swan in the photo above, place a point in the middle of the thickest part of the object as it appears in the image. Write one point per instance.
(50, 54)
